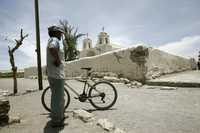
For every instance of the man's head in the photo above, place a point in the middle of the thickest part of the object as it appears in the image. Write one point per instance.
(55, 31)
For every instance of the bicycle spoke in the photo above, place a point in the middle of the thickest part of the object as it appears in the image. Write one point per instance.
(103, 95)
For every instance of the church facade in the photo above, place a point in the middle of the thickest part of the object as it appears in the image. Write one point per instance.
(103, 45)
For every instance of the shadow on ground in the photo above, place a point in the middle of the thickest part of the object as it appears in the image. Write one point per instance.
(93, 110)
(49, 129)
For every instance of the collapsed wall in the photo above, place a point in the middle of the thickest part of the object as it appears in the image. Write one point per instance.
(160, 63)
(120, 62)
(135, 63)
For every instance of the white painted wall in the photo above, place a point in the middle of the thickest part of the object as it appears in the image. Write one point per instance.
(123, 62)
(107, 62)
(159, 63)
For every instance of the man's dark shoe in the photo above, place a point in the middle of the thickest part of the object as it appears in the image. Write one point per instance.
(58, 124)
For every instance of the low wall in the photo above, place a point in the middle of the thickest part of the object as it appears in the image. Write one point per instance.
(31, 72)
(138, 63)
(160, 63)
(118, 62)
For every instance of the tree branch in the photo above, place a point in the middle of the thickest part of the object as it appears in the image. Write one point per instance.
(19, 42)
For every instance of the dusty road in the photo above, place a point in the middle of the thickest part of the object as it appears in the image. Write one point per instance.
(138, 110)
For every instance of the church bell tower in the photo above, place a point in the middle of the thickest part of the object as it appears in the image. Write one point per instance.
(103, 38)
(87, 43)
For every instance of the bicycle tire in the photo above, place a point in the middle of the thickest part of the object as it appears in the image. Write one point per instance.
(91, 100)
(44, 103)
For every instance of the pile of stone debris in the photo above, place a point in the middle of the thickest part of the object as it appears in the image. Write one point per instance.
(115, 78)
(105, 124)
(4, 109)
(5, 119)
(4, 93)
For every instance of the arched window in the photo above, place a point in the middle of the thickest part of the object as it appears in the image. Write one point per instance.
(100, 41)
(89, 45)
(106, 40)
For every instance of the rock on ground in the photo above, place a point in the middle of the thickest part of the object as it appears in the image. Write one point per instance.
(4, 109)
(125, 80)
(134, 84)
(105, 124)
(15, 119)
(5, 93)
(83, 115)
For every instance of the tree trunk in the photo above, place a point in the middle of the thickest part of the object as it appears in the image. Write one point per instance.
(15, 80)
(14, 70)
(12, 60)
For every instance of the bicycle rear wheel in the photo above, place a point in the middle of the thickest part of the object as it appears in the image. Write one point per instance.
(102, 95)
(46, 98)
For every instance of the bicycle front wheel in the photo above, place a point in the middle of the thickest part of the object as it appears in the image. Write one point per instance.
(46, 98)
(102, 95)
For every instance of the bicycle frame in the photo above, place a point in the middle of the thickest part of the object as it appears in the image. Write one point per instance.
(90, 90)
(84, 89)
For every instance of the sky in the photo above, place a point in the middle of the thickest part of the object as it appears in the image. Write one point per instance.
(169, 25)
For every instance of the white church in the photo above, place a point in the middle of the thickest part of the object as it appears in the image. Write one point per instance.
(103, 45)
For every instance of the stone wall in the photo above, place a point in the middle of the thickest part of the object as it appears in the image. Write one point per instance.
(138, 63)
(31, 72)
(119, 62)
(160, 63)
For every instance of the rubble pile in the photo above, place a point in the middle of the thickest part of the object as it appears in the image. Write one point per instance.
(112, 77)
(83, 115)
(4, 93)
(4, 109)
(103, 123)
(103, 74)
(154, 73)
(109, 126)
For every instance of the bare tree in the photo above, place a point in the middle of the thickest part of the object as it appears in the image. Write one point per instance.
(71, 37)
(12, 60)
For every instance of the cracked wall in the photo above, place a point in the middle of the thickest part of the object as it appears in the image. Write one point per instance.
(161, 63)
(117, 61)
(135, 63)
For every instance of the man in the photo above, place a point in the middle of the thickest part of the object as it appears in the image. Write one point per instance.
(198, 64)
(55, 73)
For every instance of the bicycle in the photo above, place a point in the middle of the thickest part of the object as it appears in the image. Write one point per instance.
(91, 92)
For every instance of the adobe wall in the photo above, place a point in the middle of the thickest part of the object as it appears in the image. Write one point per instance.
(138, 63)
(32, 72)
(160, 62)
(118, 61)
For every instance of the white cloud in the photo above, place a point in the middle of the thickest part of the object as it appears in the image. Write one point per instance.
(127, 23)
(186, 47)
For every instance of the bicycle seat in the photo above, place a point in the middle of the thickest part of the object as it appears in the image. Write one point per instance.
(86, 68)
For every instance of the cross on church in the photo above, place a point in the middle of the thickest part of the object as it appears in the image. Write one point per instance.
(103, 28)
(87, 35)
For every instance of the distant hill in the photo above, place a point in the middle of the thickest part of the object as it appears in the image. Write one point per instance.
(8, 73)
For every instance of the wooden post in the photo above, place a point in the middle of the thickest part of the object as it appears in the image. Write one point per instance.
(37, 26)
